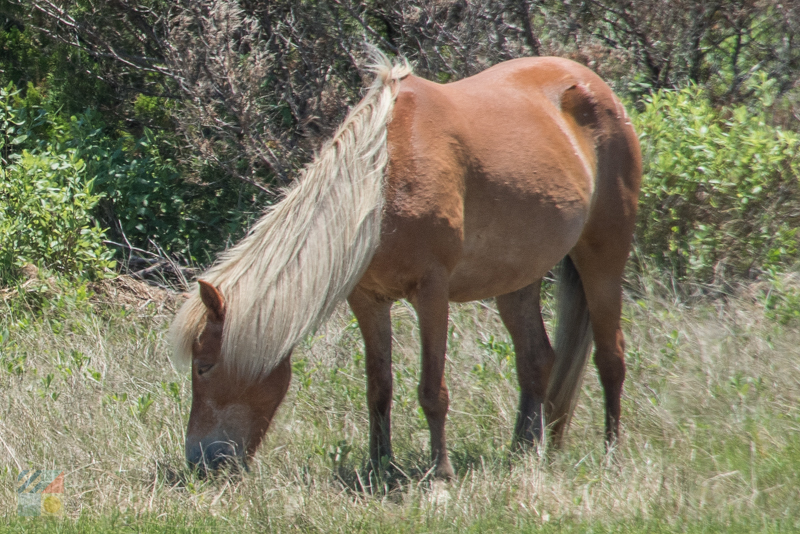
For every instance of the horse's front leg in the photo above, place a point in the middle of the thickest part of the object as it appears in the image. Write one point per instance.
(374, 320)
(431, 303)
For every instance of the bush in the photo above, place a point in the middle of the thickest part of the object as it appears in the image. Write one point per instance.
(65, 178)
(147, 199)
(46, 202)
(720, 195)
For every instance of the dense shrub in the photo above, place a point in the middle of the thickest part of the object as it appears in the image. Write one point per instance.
(72, 185)
(46, 202)
(149, 202)
(720, 194)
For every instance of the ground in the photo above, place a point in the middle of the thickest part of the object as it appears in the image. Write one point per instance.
(709, 435)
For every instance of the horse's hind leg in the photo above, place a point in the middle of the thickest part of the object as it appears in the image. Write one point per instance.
(521, 313)
(431, 303)
(374, 320)
(601, 274)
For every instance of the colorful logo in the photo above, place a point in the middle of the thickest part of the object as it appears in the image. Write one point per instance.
(40, 492)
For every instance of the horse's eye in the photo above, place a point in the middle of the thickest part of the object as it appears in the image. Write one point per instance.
(203, 369)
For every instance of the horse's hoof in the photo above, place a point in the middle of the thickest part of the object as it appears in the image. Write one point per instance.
(444, 472)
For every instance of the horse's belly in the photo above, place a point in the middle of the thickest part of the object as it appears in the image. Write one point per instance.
(512, 249)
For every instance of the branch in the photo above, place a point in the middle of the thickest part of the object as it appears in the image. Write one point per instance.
(366, 26)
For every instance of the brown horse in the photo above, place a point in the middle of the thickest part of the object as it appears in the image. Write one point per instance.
(431, 193)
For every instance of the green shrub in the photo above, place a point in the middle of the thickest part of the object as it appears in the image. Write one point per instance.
(720, 195)
(65, 178)
(45, 217)
(46, 201)
(148, 198)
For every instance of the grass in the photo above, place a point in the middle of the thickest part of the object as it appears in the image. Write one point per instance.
(710, 432)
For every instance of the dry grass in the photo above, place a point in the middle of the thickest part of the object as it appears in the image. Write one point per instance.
(711, 426)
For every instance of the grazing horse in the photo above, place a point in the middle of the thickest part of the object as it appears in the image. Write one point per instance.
(431, 193)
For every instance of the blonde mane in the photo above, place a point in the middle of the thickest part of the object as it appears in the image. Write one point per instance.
(307, 253)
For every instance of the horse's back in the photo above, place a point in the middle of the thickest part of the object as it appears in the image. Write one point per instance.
(493, 176)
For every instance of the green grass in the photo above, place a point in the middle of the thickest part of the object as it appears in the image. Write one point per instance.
(710, 431)
(503, 522)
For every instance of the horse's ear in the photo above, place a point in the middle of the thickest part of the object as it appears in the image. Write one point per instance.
(212, 298)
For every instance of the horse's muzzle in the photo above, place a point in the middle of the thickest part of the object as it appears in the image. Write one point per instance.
(206, 459)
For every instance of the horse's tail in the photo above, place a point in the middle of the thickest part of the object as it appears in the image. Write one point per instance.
(573, 342)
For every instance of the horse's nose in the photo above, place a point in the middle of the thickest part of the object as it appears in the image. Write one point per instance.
(211, 457)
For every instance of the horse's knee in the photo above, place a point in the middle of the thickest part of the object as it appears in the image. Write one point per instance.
(433, 400)
(379, 400)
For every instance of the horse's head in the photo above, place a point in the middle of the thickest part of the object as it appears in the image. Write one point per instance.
(230, 412)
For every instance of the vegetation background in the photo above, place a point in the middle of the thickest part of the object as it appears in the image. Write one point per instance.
(141, 137)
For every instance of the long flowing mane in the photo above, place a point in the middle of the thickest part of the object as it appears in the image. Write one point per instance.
(307, 253)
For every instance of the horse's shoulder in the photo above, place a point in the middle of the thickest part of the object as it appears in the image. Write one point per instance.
(420, 96)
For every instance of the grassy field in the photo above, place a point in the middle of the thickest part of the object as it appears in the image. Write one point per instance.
(711, 429)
